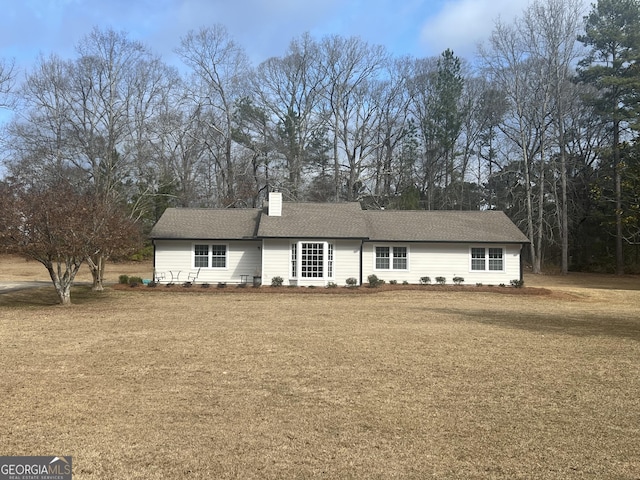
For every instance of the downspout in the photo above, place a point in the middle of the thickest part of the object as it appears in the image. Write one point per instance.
(361, 257)
(153, 242)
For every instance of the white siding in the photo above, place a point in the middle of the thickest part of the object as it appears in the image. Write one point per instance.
(442, 260)
(243, 258)
(276, 262)
(272, 257)
(347, 261)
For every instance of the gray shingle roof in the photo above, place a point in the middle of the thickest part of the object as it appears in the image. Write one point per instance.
(207, 223)
(318, 220)
(341, 220)
(442, 226)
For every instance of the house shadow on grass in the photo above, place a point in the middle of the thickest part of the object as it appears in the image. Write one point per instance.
(579, 325)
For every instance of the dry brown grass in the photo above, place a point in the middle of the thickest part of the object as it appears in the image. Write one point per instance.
(142, 384)
(16, 269)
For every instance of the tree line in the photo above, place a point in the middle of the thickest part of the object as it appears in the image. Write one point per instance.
(541, 123)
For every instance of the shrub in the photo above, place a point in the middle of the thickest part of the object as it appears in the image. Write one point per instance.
(441, 280)
(277, 281)
(145, 253)
(393, 282)
(479, 284)
(405, 282)
(124, 279)
(374, 281)
(458, 280)
(425, 280)
(152, 284)
(134, 281)
(517, 283)
(352, 282)
(332, 285)
(204, 285)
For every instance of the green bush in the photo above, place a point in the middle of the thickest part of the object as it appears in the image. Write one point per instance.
(517, 283)
(277, 281)
(352, 282)
(135, 281)
(458, 280)
(441, 280)
(393, 282)
(425, 280)
(405, 282)
(145, 253)
(123, 279)
(374, 281)
(332, 285)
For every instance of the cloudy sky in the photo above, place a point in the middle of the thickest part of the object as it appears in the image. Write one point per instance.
(263, 27)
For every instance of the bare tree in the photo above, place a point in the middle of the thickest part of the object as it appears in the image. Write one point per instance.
(7, 82)
(508, 65)
(350, 67)
(289, 90)
(552, 28)
(390, 130)
(39, 145)
(86, 120)
(220, 67)
(60, 227)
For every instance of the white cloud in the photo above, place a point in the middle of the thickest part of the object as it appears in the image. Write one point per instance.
(461, 24)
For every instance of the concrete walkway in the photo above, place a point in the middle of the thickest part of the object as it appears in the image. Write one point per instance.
(6, 287)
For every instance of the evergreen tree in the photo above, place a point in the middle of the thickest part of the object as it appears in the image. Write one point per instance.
(612, 34)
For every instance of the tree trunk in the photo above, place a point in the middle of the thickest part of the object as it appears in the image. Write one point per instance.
(535, 263)
(541, 193)
(96, 265)
(336, 165)
(64, 294)
(63, 279)
(619, 235)
(618, 195)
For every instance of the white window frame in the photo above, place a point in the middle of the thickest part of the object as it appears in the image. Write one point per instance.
(293, 260)
(392, 257)
(210, 255)
(296, 257)
(487, 260)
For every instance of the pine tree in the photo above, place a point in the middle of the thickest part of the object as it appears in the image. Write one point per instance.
(612, 33)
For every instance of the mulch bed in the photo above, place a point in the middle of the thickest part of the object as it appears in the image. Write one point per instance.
(362, 290)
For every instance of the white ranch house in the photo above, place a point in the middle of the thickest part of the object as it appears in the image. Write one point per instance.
(320, 243)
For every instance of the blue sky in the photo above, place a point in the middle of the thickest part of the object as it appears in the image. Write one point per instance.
(419, 28)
